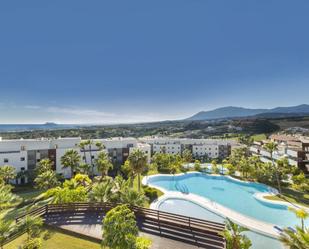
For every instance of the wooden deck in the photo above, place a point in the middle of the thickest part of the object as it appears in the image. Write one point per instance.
(165, 229)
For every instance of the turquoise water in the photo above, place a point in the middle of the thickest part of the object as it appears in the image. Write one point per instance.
(233, 194)
(183, 207)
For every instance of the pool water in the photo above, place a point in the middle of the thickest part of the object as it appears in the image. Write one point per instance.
(183, 207)
(233, 194)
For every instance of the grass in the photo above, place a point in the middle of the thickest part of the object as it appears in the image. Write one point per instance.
(57, 240)
(292, 196)
(258, 137)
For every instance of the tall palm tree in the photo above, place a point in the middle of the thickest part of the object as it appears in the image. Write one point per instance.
(138, 162)
(103, 163)
(6, 230)
(99, 145)
(298, 239)
(70, 159)
(300, 214)
(7, 173)
(82, 146)
(271, 147)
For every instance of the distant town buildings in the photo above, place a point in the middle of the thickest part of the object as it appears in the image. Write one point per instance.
(294, 148)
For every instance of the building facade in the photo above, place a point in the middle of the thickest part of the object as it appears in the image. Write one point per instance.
(294, 148)
(25, 154)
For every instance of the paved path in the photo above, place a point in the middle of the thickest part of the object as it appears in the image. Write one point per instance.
(90, 225)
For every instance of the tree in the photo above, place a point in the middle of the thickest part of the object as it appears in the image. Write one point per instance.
(101, 192)
(67, 195)
(214, 167)
(84, 168)
(300, 182)
(295, 240)
(82, 145)
(187, 156)
(103, 163)
(7, 199)
(197, 165)
(271, 147)
(46, 180)
(70, 159)
(34, 243)
(43, 166)
(89, 143)
(132, 197)
(32, 226)
(6, 230)
(301, 214)
(234, 237)
(7, 173)
(120, 230)
(138, 163)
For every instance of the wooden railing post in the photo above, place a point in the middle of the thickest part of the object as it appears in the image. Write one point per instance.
(159, 222)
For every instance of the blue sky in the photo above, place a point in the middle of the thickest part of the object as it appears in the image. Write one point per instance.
(131, 61)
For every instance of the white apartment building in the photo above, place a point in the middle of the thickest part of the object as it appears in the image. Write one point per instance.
(212, 148)
(24, 154)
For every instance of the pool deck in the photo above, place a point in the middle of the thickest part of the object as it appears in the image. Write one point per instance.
(246, 221)
(90, 225)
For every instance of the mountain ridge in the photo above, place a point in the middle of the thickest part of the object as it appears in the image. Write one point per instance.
(238, 112)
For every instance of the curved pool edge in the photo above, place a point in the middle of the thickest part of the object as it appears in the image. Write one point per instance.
(261, 197)
(255, 225)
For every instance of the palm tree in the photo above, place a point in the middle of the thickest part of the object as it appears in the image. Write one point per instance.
(101, 192)
(234, 237)
(31, 225)
(133, 197)
(271, 148)
(7, 199)
(99, 145)
(84, 168)
(7, 173)
(298, 239)
(89, 143)
(300, 214)
(138, 163)
(6, 230)
(103, 163)
(82, 146)
(46, 180)
(70, 159)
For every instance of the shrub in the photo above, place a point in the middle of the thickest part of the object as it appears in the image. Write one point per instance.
(35, 243)
(143, 243)
(151, 193)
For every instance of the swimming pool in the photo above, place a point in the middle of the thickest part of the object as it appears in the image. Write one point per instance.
(236, 195)
(183, 207)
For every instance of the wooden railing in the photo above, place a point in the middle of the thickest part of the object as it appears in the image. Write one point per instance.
(199, 232)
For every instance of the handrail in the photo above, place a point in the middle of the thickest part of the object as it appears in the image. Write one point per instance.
(177, 226)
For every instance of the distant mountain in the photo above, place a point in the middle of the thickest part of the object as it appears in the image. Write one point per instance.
(30, 127)
(238, 112)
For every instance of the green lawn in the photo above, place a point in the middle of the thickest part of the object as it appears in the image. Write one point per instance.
(29, 195)
(58, 240)
(292, 196)
(259, 137)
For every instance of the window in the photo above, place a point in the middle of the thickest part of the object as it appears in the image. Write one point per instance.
(22, 168)
(38, 160)
(22, 159)
(5, 160)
